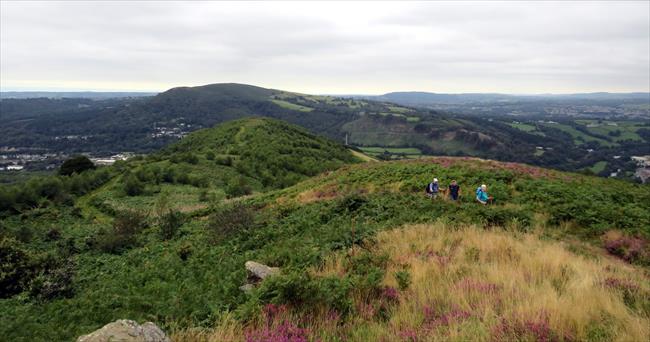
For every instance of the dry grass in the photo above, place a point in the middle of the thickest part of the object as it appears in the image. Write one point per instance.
(478, 285)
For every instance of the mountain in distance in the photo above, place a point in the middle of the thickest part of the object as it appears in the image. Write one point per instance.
(417, 98)
(363, 253)
(94, 95)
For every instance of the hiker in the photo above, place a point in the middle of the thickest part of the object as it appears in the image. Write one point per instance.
(454, 190)
(433, 188)
(482, 195)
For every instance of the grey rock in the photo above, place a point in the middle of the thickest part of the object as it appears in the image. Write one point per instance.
(260, 271)
(124, 330)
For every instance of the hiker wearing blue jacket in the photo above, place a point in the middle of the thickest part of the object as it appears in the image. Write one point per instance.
(482, 195)
(433, 188)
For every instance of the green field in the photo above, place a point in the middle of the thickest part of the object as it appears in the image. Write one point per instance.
(523, 126)
(627, 129)
(396, 109)
(598, 167)
(528, 128)
(292, 106)
(578, 137)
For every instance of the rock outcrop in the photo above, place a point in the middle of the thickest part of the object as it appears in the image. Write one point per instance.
(125, 330)
(259, 271)
(256, 273)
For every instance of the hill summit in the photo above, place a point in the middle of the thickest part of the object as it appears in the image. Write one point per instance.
(271, 151)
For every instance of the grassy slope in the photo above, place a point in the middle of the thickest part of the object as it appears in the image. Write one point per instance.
(470, 284)
(298, 228)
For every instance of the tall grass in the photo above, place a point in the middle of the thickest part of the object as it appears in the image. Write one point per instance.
(471, 284)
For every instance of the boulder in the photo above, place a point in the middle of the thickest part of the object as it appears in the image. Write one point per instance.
(125, 330)
(259, 271)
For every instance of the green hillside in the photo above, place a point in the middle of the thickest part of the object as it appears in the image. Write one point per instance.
(164, 238)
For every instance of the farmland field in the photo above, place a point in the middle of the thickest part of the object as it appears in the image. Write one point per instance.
(578, 137)
(292, 106)
(528, 128)
(598, 167)
(627, 129)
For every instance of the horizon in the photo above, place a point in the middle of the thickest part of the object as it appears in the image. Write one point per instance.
(65, 90)
(339, 48)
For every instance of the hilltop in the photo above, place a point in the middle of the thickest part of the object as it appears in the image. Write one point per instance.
(363, 253)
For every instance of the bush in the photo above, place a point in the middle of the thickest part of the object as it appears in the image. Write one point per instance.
(630, 249)
(133, 186)
(16, 267)
(229, 220)
(185, 251)
(238, 187)
(54, 282)
(123, 234)
(169, 223)
(76, 164)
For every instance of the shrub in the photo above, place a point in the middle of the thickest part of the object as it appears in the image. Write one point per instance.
(16, 267)
(351, 203)
(185, 251)
(238, 187)
(133, 186)
(54, 282)
(630, 249)
(76, 164)
(169, 223)
(123, 234)
(229, 220)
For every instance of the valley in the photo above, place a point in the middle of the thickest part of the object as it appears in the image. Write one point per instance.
(100, 128)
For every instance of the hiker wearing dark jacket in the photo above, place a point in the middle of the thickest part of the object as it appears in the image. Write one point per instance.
(454, 190)
(433, 188)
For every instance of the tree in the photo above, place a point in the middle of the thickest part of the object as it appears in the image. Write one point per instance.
(76, 164)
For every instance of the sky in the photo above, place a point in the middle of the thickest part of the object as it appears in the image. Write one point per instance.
(327, 47)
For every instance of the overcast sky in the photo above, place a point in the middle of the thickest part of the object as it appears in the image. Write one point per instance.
(328, 48)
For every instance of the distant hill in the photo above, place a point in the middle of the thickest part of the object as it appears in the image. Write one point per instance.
(93, 95)
(416, 98)
(381, 125)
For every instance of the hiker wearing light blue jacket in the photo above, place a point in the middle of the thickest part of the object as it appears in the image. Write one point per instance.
(482, 195)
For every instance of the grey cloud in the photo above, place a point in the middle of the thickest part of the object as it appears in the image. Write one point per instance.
(328, 47)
